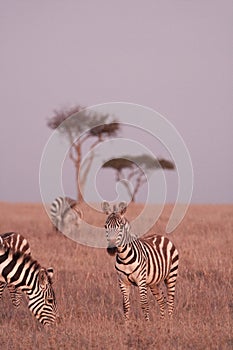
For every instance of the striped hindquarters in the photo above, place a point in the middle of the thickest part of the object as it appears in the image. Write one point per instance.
(64, 212)
(16, 243)
(162, 256)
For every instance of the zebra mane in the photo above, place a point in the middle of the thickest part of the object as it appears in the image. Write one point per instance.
(129, 237)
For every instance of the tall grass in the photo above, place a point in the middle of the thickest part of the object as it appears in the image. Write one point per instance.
(90, 301)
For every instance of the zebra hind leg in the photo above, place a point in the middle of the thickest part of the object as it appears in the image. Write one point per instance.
(170, 284)
(158, 293)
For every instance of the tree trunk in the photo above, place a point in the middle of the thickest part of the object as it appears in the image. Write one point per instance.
(137, 186)
(120, 177)
(80, 198)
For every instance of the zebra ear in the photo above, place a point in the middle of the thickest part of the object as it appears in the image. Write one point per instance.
(122, 207)
(79, 211)
(106, 207)
(50, 272)
(70, 202)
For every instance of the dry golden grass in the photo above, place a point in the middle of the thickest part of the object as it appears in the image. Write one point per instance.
(89, 299)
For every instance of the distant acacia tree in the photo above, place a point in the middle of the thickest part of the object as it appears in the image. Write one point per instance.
(79, 125)
(134, 168)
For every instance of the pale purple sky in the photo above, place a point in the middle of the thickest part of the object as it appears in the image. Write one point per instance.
(173, 56)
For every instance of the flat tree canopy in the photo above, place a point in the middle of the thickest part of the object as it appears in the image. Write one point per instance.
(137, 167)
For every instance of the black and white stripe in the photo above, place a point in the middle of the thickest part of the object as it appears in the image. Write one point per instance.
(20, 270)
(15, 242)
(65, 213)
(144, 262)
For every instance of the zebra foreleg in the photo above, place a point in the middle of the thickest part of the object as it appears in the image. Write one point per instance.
(143, 300)
(15, 294)
(158, 293)
(2, 287)
(125, 290)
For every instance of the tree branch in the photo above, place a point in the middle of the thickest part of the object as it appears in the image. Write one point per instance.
(71, 155)
(87, 163)
(120, 177)
(85, 137)
(138, 185)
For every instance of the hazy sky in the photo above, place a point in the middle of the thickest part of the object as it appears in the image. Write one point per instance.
(173, 56)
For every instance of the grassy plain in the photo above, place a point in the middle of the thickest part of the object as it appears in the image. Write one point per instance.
(89, 299)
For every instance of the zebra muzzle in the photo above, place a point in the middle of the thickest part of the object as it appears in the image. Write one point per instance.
(111, 250)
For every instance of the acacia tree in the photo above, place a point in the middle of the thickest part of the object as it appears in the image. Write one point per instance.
(136, 169)
(79, 125)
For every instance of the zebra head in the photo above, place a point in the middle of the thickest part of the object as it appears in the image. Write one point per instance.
(117, 226)
(42, 301)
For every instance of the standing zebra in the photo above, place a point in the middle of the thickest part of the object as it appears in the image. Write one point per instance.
(64, 212)
(144, 262)
(20, 270)
(15, 242)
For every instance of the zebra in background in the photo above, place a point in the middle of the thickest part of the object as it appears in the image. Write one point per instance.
(144, 262)
(65, 213)
(15, 242)
(20, 270)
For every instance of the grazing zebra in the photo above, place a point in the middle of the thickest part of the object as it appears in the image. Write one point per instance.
(15, 242)
(144, 262)
(65, 212)
(20, 270)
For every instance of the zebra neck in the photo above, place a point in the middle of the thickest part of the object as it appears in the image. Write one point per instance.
(127, 238)
(32, 282)
(124, 250)
(26, 276)
(125, 256)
